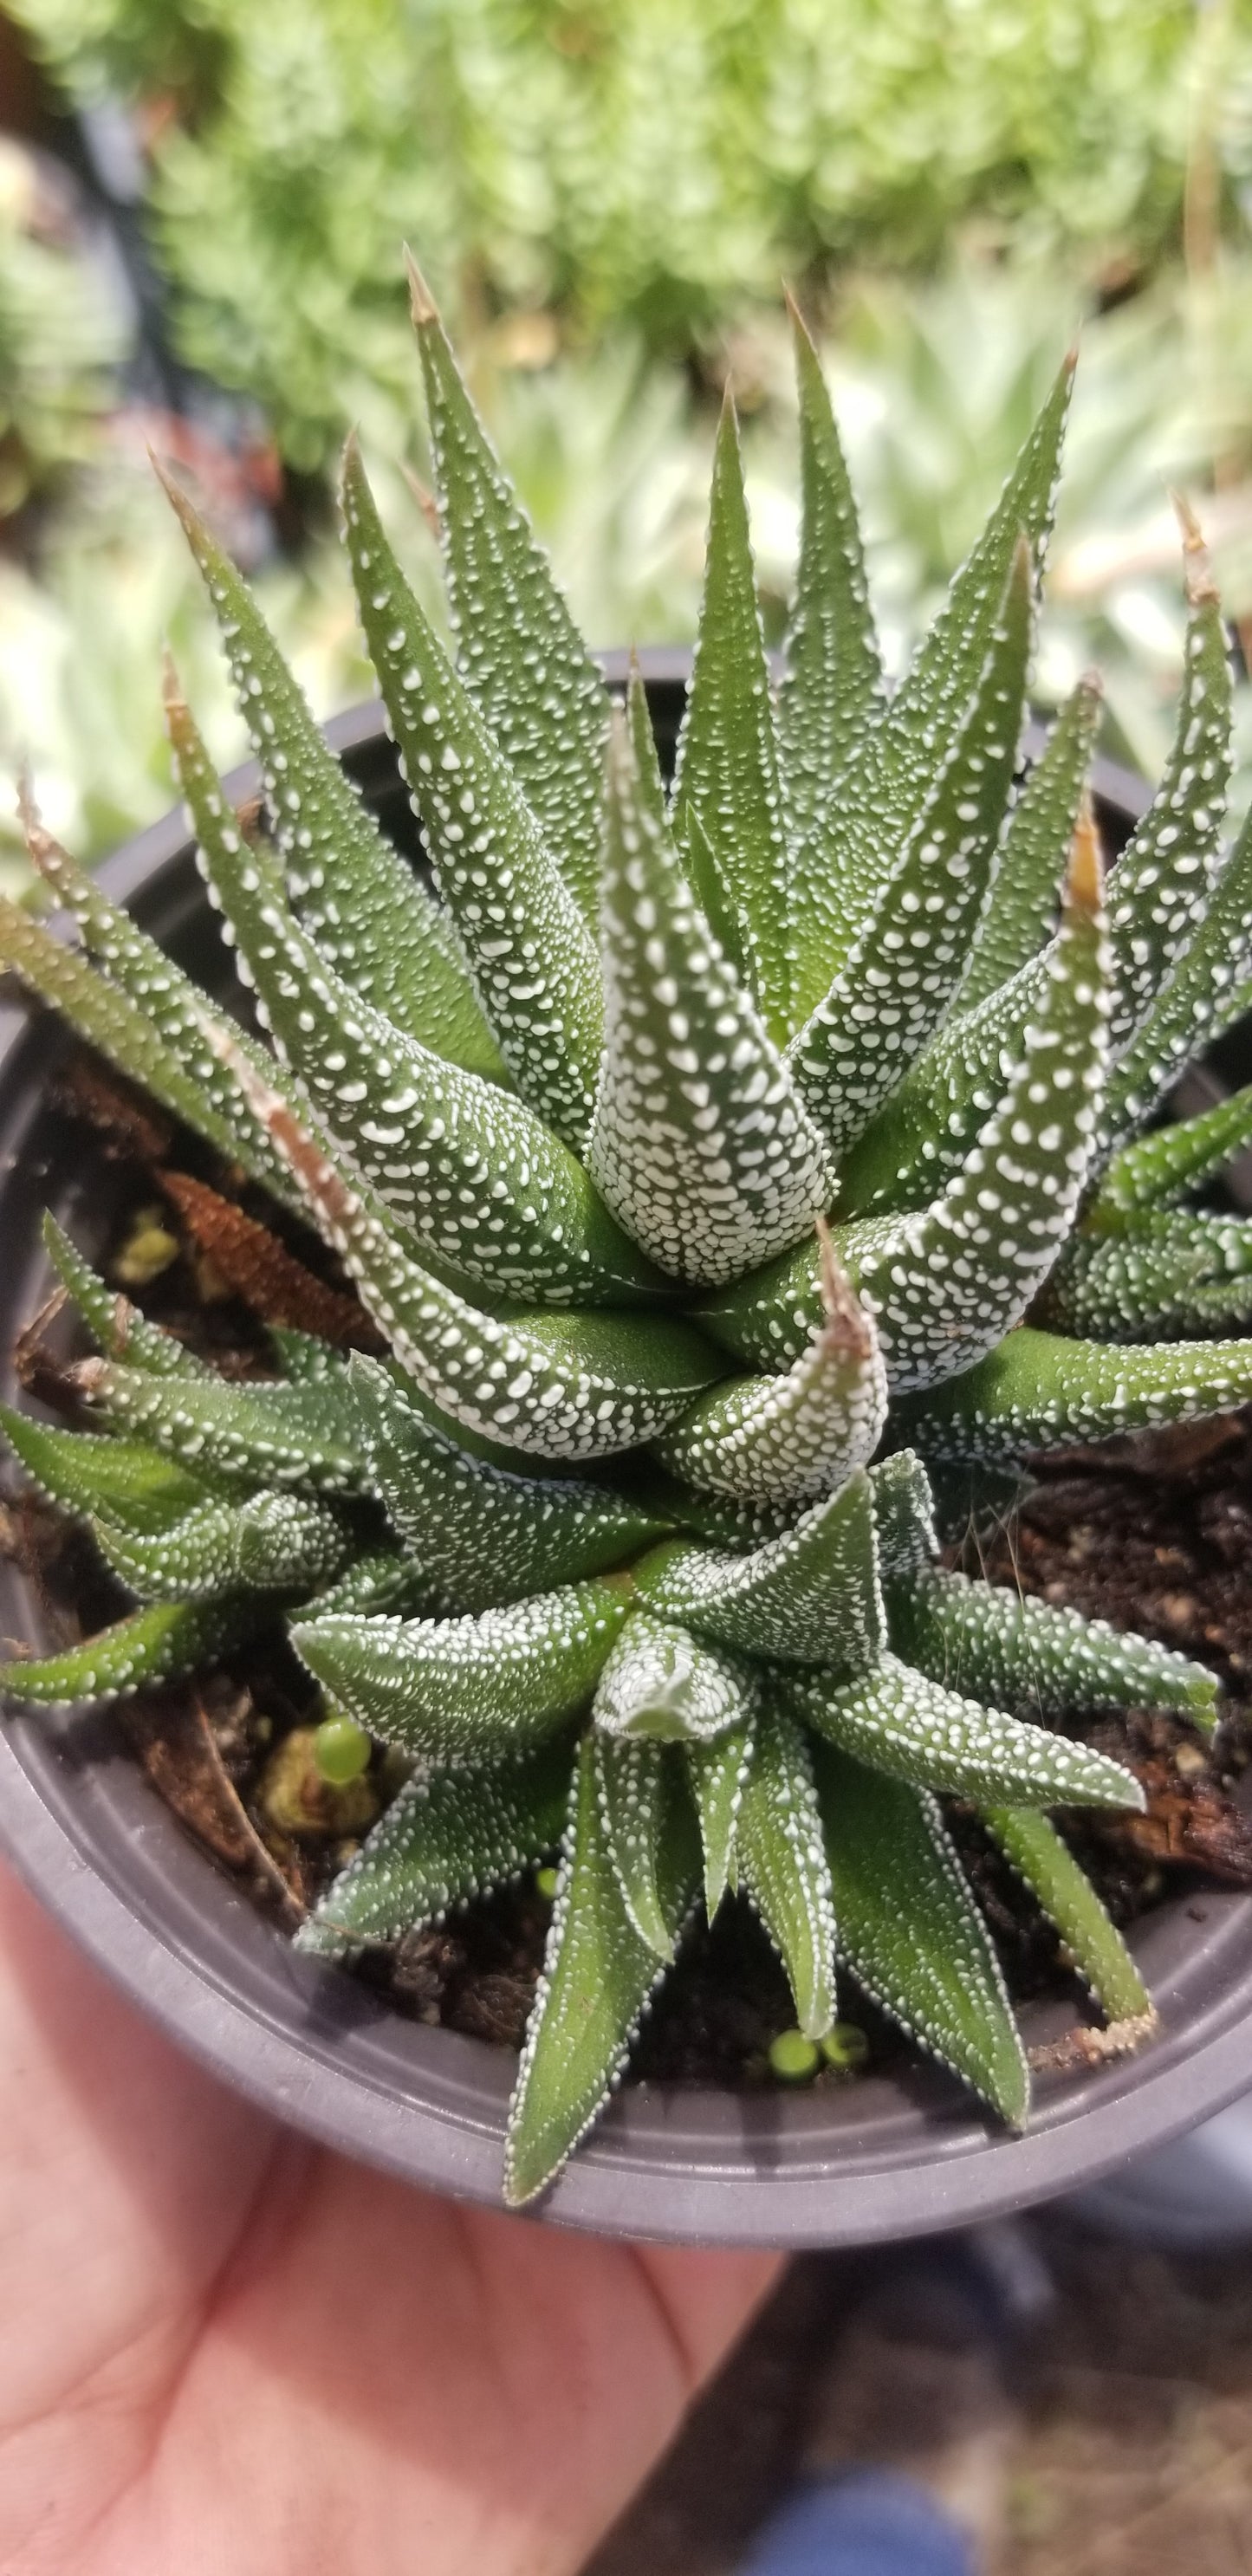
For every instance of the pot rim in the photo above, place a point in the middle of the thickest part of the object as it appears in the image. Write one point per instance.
(890, 2157)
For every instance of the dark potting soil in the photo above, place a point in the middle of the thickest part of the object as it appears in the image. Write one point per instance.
(1151, 1533)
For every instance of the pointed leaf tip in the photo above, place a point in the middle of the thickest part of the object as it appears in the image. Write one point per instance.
(1084, 881)
(1197, 567)
(422, 305)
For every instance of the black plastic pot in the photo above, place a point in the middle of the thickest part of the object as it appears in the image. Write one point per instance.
(885, 2158)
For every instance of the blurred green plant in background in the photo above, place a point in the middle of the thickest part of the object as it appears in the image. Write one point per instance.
(59, 335)
(621, 160)
(606, 194)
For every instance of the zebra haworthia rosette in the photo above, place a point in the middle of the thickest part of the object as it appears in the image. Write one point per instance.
(708, 1163)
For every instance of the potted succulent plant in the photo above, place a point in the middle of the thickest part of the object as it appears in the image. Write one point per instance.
(709, 1173)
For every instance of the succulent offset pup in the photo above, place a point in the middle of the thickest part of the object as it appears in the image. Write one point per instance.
(712, 1165)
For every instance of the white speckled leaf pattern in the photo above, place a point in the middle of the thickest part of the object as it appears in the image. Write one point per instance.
(1094, 1945)
(810, 1597)
(900, 1722)
(1162, 881)
(486, 1186)
(946, 1284)
(518, 650)
(300, 1436)
(1041, 1391)
(481, 1535)
(893, 988)
(791, 1438)
(1019, 1653)
(717, 1773)
(583, 1389)
(468, 1690)
(1209, 987)
(156, 1644)
(634, 1784)
(113, 1322)
(662, 1685)
(727, 770)
(127, 1482)
(283, 1543)
(531, 957)
(699, 1144)
(1170, 1276)
(904, 1514)
(783, 1866)
(598, 1977)
(1159, 1167)
(832, 681)
(1034, 853)
(359, 898)
(930, 1963)
(444, 1838)
(130, 1036)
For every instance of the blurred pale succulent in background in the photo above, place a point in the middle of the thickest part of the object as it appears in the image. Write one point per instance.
(620, 161)
(59, 336)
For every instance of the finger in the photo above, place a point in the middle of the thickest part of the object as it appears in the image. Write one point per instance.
(126, 2176)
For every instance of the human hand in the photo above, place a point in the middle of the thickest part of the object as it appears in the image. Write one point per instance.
(225, 2348)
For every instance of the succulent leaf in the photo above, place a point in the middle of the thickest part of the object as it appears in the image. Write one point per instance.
(304, 1358)
(898, 1721)
(125, 1033)
(928, 1962)
(1160, 1167)
(469, 1690)
(1208, 988)
(119, 1328)
(1172, 1275)
(143, 1013)
(832, 686)
(277, 1543)
(635, 1781)
(382, 1582)
(585, 1388)
(530, 953)
(924, 1131)
(1041, 1391)
(272, 1432)
(1034, 854)
(597, 1980)
(661, 1685)
(809, 1597)
(699, 1144)
(91, 1474)
(157, 1644)
(904, 1515)
(1015, 1652)
(891, 990)
(727, 804)
(518, 650)
(446, 1837)
(355, 893)
(1069, 1900)
(927, 708)
(1162, 881)
(783, 1866)
(946, 1284)
(787, 1439)
(489, 1190)
(718, 1773)
(482, 1535)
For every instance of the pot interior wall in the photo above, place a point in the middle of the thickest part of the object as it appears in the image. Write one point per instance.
(883, 2158)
